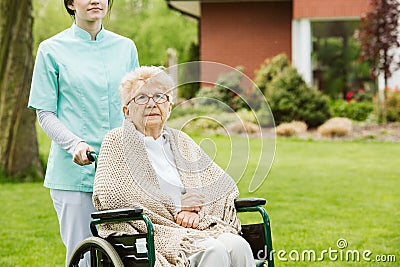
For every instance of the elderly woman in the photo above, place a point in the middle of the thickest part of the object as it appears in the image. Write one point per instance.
(189, 199)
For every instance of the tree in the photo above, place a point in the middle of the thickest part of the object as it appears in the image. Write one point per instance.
(19, 156)
(154, 28)
(378, 36)
(150, 23)
(190, 72)
(50, 18)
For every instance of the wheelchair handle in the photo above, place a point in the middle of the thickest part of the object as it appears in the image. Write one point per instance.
(92, 156)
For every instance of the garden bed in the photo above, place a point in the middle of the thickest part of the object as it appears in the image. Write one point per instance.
(389, 132)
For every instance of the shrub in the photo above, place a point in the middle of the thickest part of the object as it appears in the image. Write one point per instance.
(393, 105)
(243, 127)
(336, 127)
(289, 96)
(196, 125)
(269, 69)
(246, 115)
(239, 122)
(183, 110)
(291, 128)
(255, 99)
(264, 116)
(363, 95)
(227, 91)
(358, 111)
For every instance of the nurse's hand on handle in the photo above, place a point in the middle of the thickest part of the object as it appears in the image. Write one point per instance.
(80, 157)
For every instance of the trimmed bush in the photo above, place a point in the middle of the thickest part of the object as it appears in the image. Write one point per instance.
(336, 127)
(291, 128)
(289, 97)
(358, 111)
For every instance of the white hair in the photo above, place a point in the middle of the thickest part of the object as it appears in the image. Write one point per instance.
(145, 75)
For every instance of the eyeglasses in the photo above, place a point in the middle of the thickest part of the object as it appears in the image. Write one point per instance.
(144, 99)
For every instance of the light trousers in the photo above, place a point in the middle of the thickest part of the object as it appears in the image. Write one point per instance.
(228, 250)
(73, 211)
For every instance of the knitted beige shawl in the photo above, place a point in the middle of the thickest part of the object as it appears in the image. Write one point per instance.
(126, 178)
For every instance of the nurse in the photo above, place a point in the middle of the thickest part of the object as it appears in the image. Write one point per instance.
(74, 91)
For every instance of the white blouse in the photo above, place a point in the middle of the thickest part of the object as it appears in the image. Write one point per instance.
(163, 161)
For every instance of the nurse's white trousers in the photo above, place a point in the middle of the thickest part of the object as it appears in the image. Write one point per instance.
(73, 211)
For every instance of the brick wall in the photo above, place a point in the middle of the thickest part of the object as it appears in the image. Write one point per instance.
(328, 8)
(244, 33)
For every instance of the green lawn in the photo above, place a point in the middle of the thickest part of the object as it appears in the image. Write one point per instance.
(317, 192)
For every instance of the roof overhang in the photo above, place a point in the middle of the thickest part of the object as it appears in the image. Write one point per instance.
(189, 8)
(192, 7)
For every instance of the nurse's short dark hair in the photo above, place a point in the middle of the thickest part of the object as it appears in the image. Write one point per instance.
(72, 13)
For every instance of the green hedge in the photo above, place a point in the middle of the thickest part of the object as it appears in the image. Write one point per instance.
(358, 111)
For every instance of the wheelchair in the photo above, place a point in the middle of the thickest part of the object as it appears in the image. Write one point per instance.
(139, 251)
(123, 251)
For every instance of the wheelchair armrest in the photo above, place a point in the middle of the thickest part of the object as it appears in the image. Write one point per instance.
(125, 213)
(249, 202)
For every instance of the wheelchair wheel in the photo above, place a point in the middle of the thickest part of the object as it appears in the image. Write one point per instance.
(101, 253)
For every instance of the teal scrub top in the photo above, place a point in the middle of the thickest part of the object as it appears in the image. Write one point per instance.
(78, 79)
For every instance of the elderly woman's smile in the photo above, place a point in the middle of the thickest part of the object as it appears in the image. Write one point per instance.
(153, 114)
